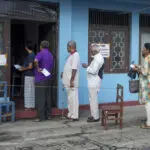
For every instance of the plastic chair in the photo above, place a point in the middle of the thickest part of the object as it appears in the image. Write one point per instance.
(7, 107)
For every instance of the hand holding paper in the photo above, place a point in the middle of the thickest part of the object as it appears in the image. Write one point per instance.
(17, 66)
(132, 66)
(45, 72)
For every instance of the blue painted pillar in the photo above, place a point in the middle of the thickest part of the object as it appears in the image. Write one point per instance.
(80, 35)
(134, 50)
(64, 37)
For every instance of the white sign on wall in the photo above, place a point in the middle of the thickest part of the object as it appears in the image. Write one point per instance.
(3, 60)
(104, 49)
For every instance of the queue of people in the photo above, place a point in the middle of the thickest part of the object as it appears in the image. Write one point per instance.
(70, 78)
(37, 85)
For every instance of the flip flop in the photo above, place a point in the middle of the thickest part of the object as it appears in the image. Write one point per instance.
(38, 120)
(144, 126)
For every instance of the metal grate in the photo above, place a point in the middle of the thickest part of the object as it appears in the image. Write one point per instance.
(112, 28)
(144, 20)
(108, 18)
(30, 10)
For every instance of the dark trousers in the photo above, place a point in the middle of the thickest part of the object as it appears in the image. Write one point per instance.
(43, 98)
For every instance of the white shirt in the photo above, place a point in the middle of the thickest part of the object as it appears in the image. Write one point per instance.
(93, 69)
(73, 62)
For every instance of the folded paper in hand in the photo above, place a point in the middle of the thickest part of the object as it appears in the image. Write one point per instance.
(132, 66)
(45, 72)
(17, 66)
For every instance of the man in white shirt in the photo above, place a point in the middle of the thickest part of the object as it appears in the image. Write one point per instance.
(94, 82)
(70, 78)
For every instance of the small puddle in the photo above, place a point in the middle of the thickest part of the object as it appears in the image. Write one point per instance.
(4, 136)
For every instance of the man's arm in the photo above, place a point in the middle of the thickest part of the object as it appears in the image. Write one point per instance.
(84, 65)
(36, 63)
(75, 64)
(30, 66)
(95, 66)
(74, 71)
(37, 60)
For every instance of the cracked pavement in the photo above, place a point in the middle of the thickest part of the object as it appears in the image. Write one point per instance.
(58, 134)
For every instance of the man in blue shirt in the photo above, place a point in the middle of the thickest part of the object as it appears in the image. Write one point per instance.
(29, 89)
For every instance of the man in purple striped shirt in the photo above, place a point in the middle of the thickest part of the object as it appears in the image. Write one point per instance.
(43, 60)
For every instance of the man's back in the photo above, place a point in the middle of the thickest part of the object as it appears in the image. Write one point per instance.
(46, 60)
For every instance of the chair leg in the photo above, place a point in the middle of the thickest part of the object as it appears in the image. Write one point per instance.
(105, 122)
(7, 111)
(116, 116)
(105, 125)
(13, 112)
(121, 123)
(102, 122)
(0, 114)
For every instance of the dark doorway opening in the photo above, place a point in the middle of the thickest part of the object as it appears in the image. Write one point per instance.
(23, 32)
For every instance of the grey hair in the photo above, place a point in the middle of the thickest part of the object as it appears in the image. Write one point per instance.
(44, 44)
(72, 44)
(95, 47)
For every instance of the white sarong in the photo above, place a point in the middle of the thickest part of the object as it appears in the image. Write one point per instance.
(29, 92)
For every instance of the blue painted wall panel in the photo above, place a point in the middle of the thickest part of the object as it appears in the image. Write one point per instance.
(64, 37)
(74, 26)
(80, 34)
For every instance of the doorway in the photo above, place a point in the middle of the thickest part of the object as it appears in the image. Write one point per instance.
(23, 32)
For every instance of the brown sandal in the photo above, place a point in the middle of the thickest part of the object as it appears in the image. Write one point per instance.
(37, 120)
(144, 126)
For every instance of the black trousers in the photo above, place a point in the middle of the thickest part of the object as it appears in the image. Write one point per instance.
(43, 98)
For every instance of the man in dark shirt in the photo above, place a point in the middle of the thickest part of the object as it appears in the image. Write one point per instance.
(43, 60)
(29, 89)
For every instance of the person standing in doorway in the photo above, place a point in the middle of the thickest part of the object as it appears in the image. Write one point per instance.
(94, 82)
(144, 78)
(43, 60)
(70, 78)
(29, 89)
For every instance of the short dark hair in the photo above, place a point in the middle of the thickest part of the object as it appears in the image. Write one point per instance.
(44, 44)
(147, 46)
(29, 46)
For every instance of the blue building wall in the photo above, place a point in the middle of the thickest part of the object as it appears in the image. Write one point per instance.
(74, 26)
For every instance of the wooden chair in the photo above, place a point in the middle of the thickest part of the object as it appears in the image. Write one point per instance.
(114, 112)
(7, 107)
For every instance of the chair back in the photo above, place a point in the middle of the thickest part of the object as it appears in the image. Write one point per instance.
(3, 91)
(120, 95)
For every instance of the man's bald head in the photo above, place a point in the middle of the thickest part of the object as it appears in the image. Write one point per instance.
(71, 45)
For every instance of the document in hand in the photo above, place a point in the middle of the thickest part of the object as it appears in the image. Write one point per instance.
(17, 66)
(45, 72)
(132, 66)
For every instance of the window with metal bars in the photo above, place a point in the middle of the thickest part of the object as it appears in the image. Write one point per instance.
(144, 20)
(113, 28)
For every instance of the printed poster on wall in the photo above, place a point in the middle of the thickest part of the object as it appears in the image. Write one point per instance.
(104, 49)
(3, 59)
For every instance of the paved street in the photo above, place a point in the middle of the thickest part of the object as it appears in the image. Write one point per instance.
(58, 134)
